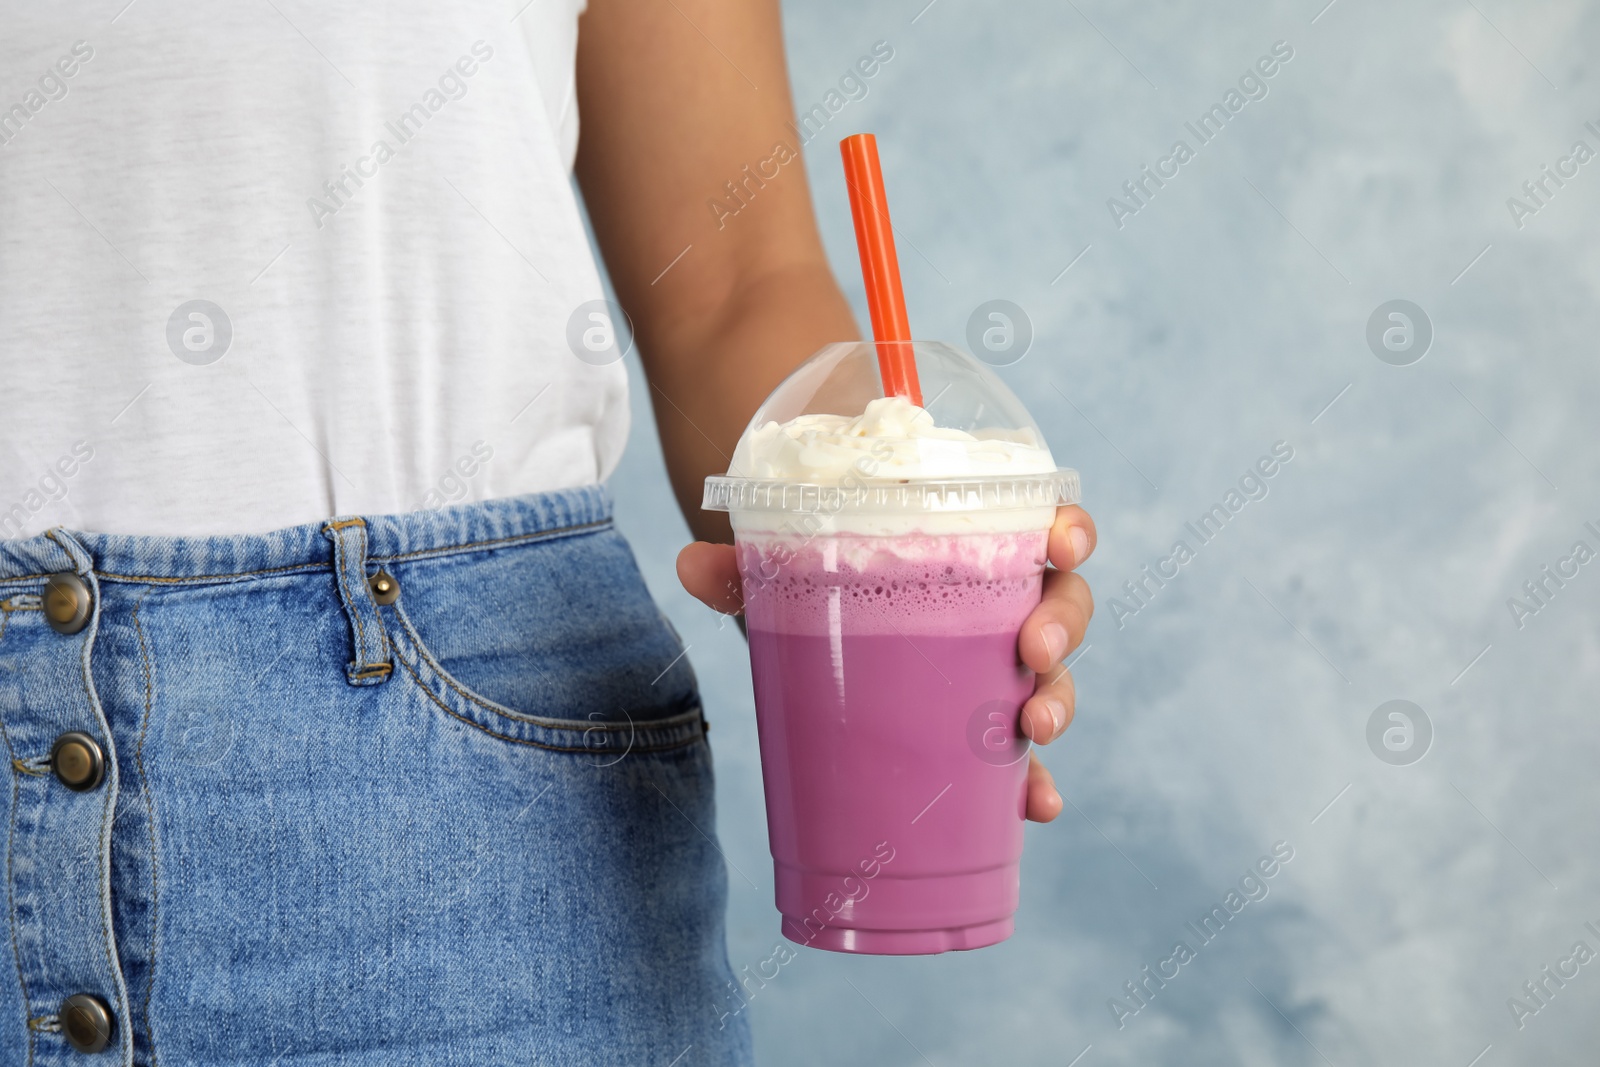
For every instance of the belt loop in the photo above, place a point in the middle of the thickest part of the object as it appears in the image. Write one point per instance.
(372, 663)
(81, 563)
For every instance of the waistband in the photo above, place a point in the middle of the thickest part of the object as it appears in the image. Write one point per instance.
(413, 535)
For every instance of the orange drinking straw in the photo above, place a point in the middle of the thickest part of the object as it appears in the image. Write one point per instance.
(880, 267)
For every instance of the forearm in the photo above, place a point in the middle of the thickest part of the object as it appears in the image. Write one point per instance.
(680, 101)
(708, 376)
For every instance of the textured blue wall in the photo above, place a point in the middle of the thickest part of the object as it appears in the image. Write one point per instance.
(1225, 314)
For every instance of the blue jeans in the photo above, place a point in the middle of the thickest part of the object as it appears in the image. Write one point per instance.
(467, 824)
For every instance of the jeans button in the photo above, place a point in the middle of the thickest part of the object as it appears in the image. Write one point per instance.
(67, 602)
(385, 590)
(86, 1022)
(77, 761)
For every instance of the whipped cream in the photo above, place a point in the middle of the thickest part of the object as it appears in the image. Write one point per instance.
(893, 441)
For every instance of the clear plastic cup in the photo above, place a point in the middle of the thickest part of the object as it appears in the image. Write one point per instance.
(883, 608)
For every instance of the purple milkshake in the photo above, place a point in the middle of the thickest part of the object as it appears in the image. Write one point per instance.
(889, 556)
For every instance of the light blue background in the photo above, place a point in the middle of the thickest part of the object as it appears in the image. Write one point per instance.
(1228, 714)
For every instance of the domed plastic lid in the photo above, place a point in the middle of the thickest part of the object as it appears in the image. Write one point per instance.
(829, 440)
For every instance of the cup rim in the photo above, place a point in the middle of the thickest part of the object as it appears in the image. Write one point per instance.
(991, 492)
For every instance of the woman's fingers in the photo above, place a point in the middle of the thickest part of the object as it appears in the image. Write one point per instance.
(1051, 632)
(1057, 625)
(1048, 713)
(1044, 803)
(1072, 537)
(711, 574)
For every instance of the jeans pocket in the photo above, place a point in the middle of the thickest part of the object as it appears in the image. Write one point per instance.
(555, 644)
(595, 734)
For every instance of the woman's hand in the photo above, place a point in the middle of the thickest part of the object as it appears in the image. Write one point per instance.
(1049, 635)
(1055, 628)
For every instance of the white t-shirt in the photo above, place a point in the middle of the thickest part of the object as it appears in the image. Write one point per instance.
(372, 205)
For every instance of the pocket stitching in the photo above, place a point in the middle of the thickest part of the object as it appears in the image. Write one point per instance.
(408, 644)
(431, 695)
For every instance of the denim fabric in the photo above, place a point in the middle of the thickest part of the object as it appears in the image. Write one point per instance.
(474, 826)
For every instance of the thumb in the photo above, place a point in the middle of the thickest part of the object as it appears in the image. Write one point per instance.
(711, 574)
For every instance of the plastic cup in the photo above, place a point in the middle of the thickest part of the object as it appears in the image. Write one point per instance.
(883, 610)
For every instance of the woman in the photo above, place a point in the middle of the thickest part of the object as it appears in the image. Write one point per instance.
(342, 729)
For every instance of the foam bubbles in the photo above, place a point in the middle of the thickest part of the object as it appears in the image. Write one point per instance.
(973, 584)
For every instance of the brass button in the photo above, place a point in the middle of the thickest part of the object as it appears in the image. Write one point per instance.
(67, 602)
(86, 1022)
(385, 590)
(77, 761)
